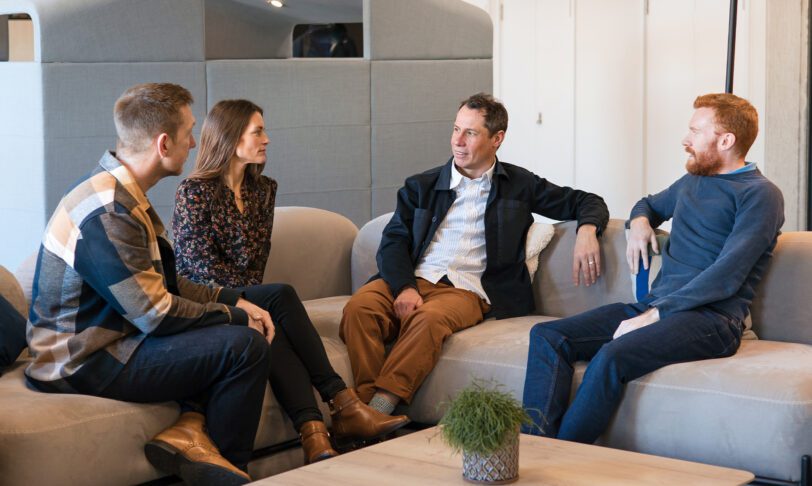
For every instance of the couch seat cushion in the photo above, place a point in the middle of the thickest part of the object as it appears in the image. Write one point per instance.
(751, 411)
(492, 351)
(325, 314)
(57, 438)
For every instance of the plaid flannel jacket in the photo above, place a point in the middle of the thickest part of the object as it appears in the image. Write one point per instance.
(105, 280)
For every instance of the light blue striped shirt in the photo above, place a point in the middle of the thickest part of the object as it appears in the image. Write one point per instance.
(458, 246)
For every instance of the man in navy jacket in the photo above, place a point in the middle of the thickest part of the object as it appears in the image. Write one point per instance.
(454, 253)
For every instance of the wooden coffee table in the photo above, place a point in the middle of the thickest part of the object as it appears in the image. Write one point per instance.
(422, 458)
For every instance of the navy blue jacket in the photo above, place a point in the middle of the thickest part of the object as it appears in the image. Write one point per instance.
(515, 194)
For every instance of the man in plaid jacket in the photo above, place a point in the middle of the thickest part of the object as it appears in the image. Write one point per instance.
(110, 318)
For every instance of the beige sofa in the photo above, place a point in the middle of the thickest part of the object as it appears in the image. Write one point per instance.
(751, 411)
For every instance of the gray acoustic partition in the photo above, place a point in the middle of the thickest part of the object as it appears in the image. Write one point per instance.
(318, 115)
(78, 126)
(412, 121)
(344, 132)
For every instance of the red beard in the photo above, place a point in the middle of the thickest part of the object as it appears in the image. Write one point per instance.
(705, 163)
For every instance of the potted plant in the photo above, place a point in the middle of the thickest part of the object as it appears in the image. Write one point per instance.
(483, 422)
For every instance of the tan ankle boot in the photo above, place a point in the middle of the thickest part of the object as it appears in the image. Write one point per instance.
(186, 450)
(316, 442)
(354, 418)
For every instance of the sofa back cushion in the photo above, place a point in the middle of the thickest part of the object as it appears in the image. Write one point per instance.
(365, 249)
(779, 312)
(552, 286)
(782, 305)
(310, 250)
(553, 289)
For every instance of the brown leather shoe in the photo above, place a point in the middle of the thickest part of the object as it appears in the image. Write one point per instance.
(185, 450)
(316, 442)
(354, 418)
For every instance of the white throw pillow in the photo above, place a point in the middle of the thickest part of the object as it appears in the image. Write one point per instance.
(538, 237)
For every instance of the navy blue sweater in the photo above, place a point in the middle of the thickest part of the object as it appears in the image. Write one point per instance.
(723, 232)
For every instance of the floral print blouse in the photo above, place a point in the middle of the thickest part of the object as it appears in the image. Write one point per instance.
(214, 242)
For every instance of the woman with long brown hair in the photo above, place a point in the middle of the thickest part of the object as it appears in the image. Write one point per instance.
(222, 229)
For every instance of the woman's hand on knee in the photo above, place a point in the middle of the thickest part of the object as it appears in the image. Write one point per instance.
(258, 319)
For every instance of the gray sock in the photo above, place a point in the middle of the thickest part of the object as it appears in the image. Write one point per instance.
(382, 404)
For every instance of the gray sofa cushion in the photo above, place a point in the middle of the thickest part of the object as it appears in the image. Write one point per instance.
(312, 253)
(364, 250)
(553, 289)
(751, 411)
(53, 438)
(782, 306)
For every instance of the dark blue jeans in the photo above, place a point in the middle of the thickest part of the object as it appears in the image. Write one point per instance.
(224, 368)
(298, 359)
(12, 333)
(556, 346)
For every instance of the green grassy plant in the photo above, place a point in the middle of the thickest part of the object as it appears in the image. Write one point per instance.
(481, 419)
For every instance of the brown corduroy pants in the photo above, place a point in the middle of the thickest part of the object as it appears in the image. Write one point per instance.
(369, 323)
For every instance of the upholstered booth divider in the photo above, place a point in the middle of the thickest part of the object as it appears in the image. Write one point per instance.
(318, 115)
(428, 29)
(411, 121)
(78, 101)
(344, 132)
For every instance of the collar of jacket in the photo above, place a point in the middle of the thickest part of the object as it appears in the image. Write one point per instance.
(111, 164)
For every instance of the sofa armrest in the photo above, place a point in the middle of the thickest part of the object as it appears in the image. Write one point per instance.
(310, 250)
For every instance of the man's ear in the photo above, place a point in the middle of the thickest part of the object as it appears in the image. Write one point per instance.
(726, 141)
(498, 138)
(162, 144)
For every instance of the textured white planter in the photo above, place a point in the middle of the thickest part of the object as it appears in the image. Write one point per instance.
(501, 467)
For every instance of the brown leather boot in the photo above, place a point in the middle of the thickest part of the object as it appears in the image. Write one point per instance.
(354, 418)
(316, 442)
(186, 450)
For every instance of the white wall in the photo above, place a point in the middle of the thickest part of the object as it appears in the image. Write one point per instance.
(614, 81)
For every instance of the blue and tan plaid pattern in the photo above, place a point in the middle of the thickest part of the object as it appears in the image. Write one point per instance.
(103, 283)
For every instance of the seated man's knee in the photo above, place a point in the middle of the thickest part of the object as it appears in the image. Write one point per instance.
(243, 342)
(429, 321)
(610, 360)
(542, 330)
(362, 304)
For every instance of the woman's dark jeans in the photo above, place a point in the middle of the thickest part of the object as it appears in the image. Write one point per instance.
(298, 359)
